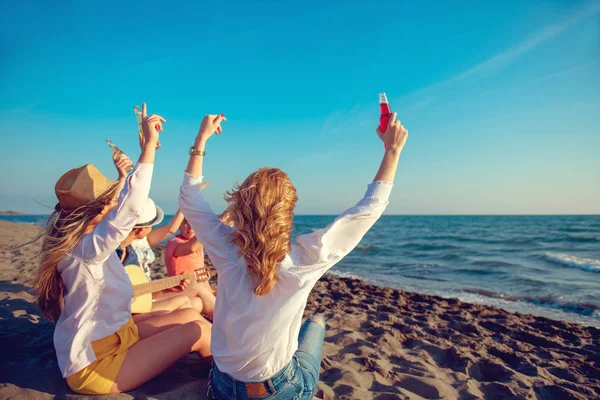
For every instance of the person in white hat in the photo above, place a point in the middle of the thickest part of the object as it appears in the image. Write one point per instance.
(82, 287)
(138, 243)
(147, 236)
(150, 216)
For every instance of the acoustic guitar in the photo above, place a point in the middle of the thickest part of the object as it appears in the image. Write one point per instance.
(143, 287)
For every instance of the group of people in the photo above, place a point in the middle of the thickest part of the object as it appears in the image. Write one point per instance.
(183, 254)
(257, 341)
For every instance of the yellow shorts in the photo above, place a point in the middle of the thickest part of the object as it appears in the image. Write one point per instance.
(110, 351)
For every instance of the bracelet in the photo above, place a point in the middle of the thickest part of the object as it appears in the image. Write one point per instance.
(195, 152)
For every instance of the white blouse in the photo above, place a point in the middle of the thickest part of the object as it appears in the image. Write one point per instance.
(254, 337)
(98, 291)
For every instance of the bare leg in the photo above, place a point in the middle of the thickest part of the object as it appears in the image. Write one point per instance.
(171, 304)
(201, 291)
(169, 294)
(137, 318)
(152, 326)
(197, 304)
(154, 354)
(208, 300)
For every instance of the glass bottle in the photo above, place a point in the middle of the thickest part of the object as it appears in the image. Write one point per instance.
(116, 150)
(138, 117)
(384, 107)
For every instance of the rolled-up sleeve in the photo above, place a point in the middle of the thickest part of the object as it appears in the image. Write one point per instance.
(318, 251)
(209, 229)
(109, 233)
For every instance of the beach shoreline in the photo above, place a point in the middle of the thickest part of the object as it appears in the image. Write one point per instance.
(380, 343)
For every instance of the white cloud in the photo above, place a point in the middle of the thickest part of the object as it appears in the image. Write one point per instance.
(341, 120)
(501, 60)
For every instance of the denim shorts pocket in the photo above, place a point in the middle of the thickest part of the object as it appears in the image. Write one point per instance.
(296, 379)
(286, 391)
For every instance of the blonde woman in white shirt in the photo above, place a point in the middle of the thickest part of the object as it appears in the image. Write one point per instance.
(260, 347)
(82, 286)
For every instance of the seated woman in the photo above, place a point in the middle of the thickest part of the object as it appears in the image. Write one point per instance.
(150, 216)
(184, 253)
(151, 237)
(261, 348)
(82, 286)
(168, 299)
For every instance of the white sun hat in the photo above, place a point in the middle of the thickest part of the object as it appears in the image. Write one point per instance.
(151, 215)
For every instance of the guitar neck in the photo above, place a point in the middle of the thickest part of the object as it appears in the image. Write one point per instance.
(161, 284)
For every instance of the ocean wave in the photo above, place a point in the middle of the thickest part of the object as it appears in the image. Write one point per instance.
(579, 238)
(366, 248)
(424, 278)
(343, 274)
(420, 246)
(451, 256)
(557, 302)
(452, 238)
(493, 263)
(475, 271)
(426, 266)
(516, 240)
(572, 229)
(586, 264)
(569, 238)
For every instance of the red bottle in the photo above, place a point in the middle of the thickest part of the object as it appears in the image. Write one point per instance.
(384, 106)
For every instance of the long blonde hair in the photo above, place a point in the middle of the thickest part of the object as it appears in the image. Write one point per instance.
(63, 230)
(261, 209)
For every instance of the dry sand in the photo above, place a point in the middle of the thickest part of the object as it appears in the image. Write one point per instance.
(381, 343)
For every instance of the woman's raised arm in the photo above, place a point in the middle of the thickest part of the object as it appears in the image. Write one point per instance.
(109, 233)
(322, 249)
(210, 125)
(209, 229)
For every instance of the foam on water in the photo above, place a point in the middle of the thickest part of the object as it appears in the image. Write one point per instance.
(343, 274)
(586, 264)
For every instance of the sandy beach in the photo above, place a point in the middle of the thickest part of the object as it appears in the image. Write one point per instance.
(381, 343)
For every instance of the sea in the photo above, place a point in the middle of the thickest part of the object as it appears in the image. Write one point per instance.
(542, 265)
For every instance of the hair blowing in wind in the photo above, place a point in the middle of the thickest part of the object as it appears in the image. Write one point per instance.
(63, 230)
(261, 209)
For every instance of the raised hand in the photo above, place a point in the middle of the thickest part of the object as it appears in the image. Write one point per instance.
(395, 135)
(122, 162)
(210, 125)
(151, 126)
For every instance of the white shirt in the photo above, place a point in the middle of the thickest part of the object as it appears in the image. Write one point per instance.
(98, 291)
(254, 337)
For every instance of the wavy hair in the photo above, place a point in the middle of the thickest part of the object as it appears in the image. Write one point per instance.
(63, 230)
(261, 209)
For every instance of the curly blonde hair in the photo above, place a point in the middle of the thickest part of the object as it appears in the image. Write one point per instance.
(261, 209)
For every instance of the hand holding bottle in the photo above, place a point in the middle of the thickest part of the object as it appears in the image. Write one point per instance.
(395, 134)
(384, 108)
(123, 164)
(118, 155)
(151, 126)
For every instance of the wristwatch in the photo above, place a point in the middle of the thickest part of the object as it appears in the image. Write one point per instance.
(195, 152)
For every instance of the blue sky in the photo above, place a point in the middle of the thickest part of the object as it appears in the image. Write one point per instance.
(501, 99)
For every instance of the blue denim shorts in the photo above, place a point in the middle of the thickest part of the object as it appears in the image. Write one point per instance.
(297, 380)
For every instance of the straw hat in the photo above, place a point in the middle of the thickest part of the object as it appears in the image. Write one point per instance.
(151, 215)
(80, 186)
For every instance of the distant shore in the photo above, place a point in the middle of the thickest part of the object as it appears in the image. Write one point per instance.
(11, 213)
